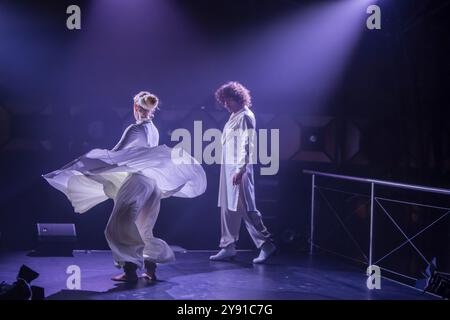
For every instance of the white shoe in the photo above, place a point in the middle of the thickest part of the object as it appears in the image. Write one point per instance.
(224, 254)
(267, 250)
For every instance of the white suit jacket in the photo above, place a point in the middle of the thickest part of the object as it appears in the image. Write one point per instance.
(237, 145)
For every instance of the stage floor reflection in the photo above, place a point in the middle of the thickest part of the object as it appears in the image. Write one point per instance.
(193, 276)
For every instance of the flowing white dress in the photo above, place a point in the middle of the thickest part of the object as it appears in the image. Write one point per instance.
(136, 174)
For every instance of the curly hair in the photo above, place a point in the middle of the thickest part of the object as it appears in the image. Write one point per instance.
(235, 91)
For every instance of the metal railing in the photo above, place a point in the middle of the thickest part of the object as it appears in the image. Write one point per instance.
(376, 200)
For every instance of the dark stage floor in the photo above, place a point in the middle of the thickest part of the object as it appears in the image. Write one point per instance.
(193, 276)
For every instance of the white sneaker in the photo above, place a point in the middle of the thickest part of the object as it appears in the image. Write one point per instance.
(267, 250)
(224, 254)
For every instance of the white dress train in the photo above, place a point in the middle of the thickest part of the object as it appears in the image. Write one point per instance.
(136, 174)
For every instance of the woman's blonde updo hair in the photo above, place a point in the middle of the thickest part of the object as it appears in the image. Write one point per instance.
(146, 100)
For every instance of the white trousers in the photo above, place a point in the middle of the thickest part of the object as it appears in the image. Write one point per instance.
(129, 231)
(231, 224)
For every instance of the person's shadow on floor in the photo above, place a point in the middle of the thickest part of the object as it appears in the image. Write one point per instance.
(141, 290)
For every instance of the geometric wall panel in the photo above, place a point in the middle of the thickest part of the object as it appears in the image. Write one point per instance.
(289, 134)
(318, 140)
(353, 138)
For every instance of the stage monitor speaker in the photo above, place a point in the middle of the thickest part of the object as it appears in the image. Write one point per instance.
(55, 239)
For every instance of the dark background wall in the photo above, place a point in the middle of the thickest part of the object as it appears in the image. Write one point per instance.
(375, 100)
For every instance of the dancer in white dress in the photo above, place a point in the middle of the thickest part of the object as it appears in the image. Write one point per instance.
(136, 174)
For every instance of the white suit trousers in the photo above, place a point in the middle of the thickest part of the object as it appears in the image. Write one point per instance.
(231, 224)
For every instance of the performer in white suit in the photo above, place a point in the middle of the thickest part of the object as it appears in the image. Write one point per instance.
(136, 174)
(236, 188)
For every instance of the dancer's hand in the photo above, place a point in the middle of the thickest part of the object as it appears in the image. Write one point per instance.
(237, 178)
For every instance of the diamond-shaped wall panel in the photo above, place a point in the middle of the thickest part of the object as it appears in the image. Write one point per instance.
(289, 134)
